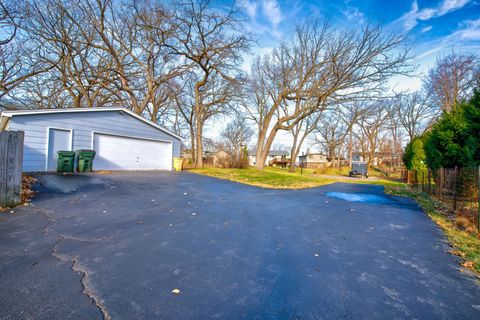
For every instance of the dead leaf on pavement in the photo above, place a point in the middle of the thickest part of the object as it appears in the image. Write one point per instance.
(468, 265)
(457, 253)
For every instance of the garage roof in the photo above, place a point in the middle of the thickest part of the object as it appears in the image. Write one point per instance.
(5, 115)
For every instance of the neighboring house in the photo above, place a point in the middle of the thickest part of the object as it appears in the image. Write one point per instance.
(314, 160)
(274, 158)
(358, 156)
(187, 154)
(122, 139)
(278, 158)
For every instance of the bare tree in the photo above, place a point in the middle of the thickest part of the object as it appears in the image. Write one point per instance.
(350, 113)
(395, 127)
(20, 59)
(9, 21)
(300, 131)
(414, 112)
(371, 125)
(330, 134)
(326, 67)
(80, 74)
(236, 135)
(452, 79)
(102, 53)
(184, 99)
(213, 42)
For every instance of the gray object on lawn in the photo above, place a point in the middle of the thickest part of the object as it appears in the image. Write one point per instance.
(359, 168)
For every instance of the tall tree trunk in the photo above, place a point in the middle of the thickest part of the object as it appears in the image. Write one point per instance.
(199, 146)
(268, 145)
(293, 153)
(350, 146)
(198, 125)
(259, 162)
(297, 145)
(371, 154)
(192, 141)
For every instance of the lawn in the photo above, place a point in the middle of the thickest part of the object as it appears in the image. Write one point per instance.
(278, 178)
(268, 178)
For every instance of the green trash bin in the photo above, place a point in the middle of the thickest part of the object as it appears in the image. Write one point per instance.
(65, 161)
(85, 160)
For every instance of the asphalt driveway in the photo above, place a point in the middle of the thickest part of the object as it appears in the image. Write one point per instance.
(115, 246)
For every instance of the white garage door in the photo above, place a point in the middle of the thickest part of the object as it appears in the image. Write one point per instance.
(125, 153)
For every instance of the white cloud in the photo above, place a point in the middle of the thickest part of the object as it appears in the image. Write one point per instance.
(272, 12)
(354, 15)
(468, 35)
(265, 16)
(410, 19)
(250, 8)
(426, 29)
(452, 5)
(470, 30)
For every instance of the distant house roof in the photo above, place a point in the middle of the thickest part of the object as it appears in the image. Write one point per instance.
(279, 153)
(313, 154)
(272, 153)
(7, 114)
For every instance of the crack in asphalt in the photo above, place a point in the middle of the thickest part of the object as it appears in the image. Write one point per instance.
(77, 267)
(50, 219)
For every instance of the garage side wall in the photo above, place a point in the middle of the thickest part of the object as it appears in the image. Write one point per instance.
(82, 125)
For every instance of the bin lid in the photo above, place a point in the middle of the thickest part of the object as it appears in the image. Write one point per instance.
(66, 153)
(87, 153)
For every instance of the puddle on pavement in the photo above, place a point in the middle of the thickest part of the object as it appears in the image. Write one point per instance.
(359, 197)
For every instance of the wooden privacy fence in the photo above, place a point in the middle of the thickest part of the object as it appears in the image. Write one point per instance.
(11, 160)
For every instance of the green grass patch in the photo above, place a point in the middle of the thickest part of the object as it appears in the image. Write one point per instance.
(467, 244)
(278, 178)
(268, 178)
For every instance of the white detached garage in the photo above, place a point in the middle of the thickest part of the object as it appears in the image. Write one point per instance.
(122, 139)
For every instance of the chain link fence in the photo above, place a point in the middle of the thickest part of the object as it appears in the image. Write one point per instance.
(457, 188)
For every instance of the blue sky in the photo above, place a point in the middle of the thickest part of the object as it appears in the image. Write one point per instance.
(435, 26)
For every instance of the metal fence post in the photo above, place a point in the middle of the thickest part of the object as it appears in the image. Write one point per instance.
(478, 199)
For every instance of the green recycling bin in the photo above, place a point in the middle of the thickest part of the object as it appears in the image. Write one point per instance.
(85, 160)
(65, 161)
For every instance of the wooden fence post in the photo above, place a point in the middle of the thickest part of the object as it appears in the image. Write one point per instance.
(440, 185)
(429, 182)
(478, 198)
(455, 179)
(423, 181)
(11, 161)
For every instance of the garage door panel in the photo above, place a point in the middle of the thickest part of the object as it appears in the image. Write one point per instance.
(126, 153)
